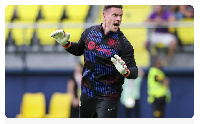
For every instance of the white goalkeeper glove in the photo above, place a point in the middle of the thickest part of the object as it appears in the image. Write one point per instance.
(120, 65)
(60, 37)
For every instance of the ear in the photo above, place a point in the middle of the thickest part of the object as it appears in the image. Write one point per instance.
(104, 15)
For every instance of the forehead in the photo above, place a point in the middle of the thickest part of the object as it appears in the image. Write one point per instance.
(115, 10)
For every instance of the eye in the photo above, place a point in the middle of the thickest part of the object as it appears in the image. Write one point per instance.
(115, 15)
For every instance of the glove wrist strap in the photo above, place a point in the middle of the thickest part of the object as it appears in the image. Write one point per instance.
(127, 73)
(67, 45)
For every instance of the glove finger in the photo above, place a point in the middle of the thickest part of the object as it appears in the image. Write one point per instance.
(53, 34)
(61, 30)
(125, 67)
(58, 34)
(116, 56)
(61, 33)
(119, 59)
(67, 35)
(122, 62)
(114, 61)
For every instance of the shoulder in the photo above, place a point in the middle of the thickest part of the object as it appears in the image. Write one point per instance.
(123, 39)
(94, 27)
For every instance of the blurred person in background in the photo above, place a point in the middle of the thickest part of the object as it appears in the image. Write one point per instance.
(131, 95)
(108, 59)
(181, 11)
(74, 88)
(161, 34)
(187, 11)
(158, 89)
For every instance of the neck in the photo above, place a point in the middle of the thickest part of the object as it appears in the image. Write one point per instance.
(105, 29)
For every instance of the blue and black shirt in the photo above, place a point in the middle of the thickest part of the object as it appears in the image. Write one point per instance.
(100, 77)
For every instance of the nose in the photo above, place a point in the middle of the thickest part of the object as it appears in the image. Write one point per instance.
(119, 18)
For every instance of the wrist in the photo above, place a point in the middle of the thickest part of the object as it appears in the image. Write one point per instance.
(127, 73)
(67, 45)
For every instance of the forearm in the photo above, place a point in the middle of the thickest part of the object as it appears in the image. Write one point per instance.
(75, 49)
(133, 73)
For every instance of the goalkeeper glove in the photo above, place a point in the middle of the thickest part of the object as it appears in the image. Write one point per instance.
(120, 65)
(61, 37)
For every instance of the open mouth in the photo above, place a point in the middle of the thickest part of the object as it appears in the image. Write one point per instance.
(116, 24)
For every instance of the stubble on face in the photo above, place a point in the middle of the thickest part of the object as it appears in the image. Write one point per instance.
(113, 18)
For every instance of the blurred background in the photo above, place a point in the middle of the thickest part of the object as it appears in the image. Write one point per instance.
(39, 68)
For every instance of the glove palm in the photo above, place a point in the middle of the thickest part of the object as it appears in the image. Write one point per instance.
(119, 64)
(60, 36)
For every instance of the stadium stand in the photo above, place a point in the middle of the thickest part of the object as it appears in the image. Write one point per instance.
(75, 34)
(52, 12)
(6, 34)
(44, 33)
(9, 11)
(133, 13)
(76, 13)
(32, 106)
(27, 13)
(60, 105)
(22, 36)
(186, 34)
(137, 37)
(45, 14)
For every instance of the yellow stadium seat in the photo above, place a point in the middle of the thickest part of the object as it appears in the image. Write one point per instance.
(22, 36)
(52, 12)
(135, 13)
(6, 33)
(9, 10)
(141, 57)
(43, 33)
(32, 106)
(137, 37)
(186, 34)
(131, 13)
(77, 12)
(60, 105)
(27, 13)
(136, 6)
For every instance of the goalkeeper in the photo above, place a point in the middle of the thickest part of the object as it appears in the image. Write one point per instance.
(108, 59)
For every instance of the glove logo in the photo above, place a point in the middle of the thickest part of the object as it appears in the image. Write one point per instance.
(91, 45)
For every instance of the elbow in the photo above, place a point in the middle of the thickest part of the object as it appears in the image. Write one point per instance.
(135, 76)
(133, 73)
(78, 54)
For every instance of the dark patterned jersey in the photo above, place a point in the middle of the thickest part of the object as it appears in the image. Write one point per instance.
(100, 77)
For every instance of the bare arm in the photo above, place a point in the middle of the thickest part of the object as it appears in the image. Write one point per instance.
(70, 89)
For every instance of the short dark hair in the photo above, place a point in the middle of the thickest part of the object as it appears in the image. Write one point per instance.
(106, 7)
